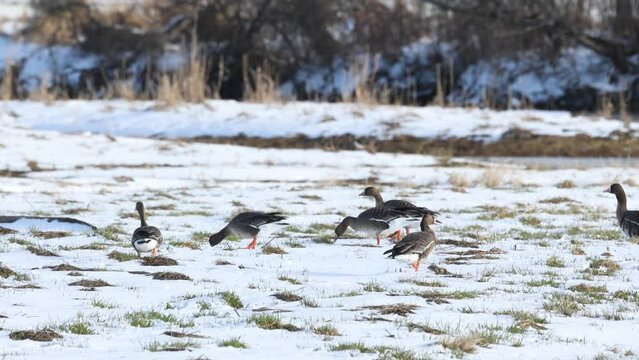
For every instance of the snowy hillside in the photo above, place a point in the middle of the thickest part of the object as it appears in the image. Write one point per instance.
(230, 118)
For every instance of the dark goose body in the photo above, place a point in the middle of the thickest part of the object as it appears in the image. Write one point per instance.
(247, 225)
(146, 238)
(628, 220)
(416, 246)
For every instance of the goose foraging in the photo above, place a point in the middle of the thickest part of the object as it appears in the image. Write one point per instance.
(416, 246)
(628, 220)
(145, 238)
(247, 225)
(406, 206)
(377, 221)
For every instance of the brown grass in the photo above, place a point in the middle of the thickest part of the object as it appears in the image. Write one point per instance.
(424, 328)
(64, 267)
(177, 334)
(169, 275)
(269, 250)
(35, 335)
(40, 251)
(90, 283)
(397, 309)
(50, 234)
(287, 296)
(5, 272)
(158, 261)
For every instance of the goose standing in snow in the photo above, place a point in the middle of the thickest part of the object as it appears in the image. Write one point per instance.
(628, 220)
(247, 225)
(406, 206)
(145, 238)
(377, 221)
(416, 246)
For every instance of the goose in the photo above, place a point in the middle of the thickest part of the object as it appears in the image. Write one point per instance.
(247, 225)
(416, 246)
(378, 221)
(628, 219)
(145, 238)
(412, 209)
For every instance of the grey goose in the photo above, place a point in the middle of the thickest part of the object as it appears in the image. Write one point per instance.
(628, 220)
(145, 238)
(406, 206)
(377, 221)
(416, 246)
(247, 225)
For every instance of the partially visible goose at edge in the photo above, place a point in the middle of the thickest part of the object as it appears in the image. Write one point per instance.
(145, 238)
(247, 225)
(628, 220)
(417, 246)
(377, 221)
(406, 206)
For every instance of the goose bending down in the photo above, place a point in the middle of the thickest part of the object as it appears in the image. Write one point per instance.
(247, 225)
(406, 206)
(145, 238)
(416, 246)
(377, 221)
(628, 220)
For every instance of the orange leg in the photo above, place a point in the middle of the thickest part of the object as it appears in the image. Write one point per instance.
(154, 252)
(398, 235)
(378, 239)
(415, 265)
(252, 244)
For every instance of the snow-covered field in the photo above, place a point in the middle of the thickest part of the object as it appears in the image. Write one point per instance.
(530, 263)
(230, 118)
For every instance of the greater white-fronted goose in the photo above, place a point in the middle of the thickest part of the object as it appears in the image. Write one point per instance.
(145, 238)
(628, 219)
(377, 221)
(405, 206)
(247, 225)
(415, 247)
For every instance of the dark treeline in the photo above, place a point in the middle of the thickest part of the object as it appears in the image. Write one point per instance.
(290, 41)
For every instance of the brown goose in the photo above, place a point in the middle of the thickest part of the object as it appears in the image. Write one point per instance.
(377, 221)
(145, 238)
(416, 246)
(247, 225)
(406, 206)
(628, 219)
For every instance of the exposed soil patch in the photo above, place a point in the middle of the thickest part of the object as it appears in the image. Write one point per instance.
(35, 335)
(64, 267)
(442, 271)
(158, 261)
(516, 142)
(168, 275)
(459, 243)
(424, 328)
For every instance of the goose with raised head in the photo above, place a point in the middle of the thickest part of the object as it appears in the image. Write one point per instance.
(416, 246)
(247, 225)
(145, 238)
(628, 220)
(377, 221)
(406, 206)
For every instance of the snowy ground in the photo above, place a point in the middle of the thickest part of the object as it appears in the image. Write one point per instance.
(230, 118)
(525, 248)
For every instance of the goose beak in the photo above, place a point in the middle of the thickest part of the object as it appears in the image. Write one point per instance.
(607, 190)
(438, 222)
(362, 194)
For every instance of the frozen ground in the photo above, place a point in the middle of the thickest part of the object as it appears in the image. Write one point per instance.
(230, 118)
(531, 265)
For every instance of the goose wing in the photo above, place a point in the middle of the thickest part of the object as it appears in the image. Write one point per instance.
(382, 214)
(630, 223)
(414, 243)
(147, 232)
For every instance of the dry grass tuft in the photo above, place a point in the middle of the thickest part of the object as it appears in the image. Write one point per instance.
(35, 335)
(177, 334)
(424, 328)
(50, 234)
(397, 309)
(492, 178)
(566, 184)
(5, 272)
(158, 261)
(90, 283)
(287, 296)
(168, 275)
(459, 180)
(40, 251)
(461, 345)
(64, 267)
(268, 250)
